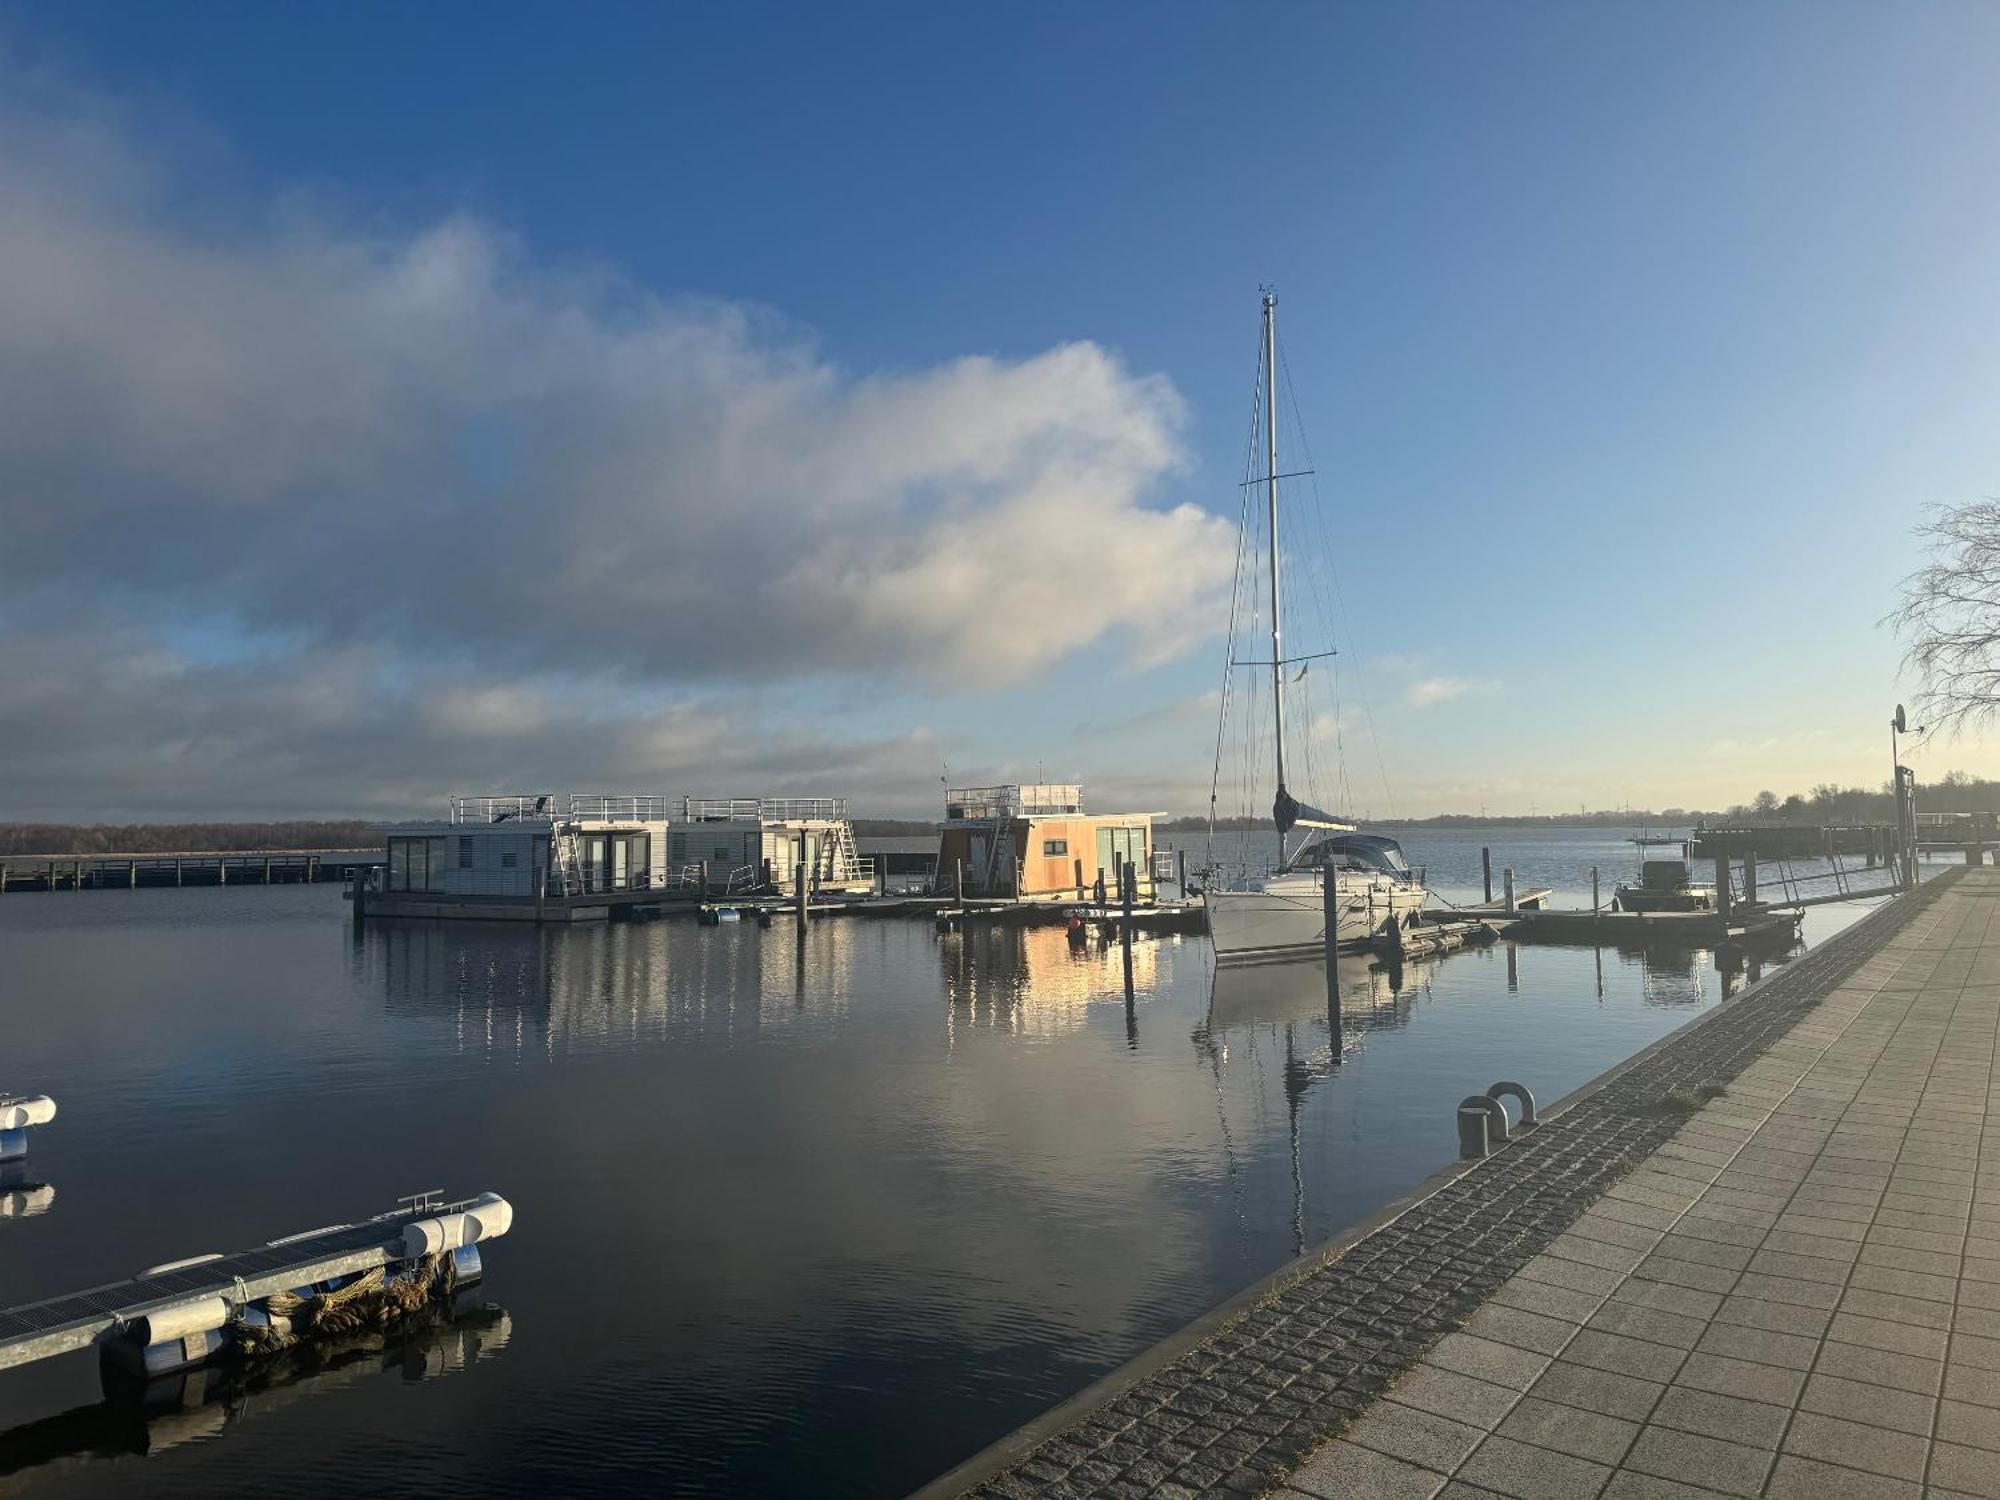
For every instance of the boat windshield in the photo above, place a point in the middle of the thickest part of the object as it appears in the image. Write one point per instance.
(1353, 851)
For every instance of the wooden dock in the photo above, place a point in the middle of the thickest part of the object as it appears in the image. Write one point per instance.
(63, 1325)
(81, 872)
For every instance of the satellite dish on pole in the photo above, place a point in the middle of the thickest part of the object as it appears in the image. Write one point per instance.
(1901, 723)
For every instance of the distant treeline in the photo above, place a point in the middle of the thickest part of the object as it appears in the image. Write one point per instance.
(1954, 792)
(168, 838)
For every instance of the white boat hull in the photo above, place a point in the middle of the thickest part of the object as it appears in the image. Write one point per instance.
(1288, 916)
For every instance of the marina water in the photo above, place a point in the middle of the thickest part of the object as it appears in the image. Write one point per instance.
(793, 1219)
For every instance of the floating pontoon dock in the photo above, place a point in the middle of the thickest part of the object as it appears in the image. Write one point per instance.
(63, 1325)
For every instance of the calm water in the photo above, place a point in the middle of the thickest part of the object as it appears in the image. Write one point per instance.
(790, 1220)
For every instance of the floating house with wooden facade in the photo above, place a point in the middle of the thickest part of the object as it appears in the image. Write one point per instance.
(1036, 842)
(544, 857)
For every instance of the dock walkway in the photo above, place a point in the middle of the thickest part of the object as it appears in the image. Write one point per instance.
(1793, 1288)
(61, 1325)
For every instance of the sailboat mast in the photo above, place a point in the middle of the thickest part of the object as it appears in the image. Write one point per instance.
(1271, 491)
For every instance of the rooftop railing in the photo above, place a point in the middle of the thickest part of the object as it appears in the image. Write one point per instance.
(762, 809)
(504, 809)
(1035, 800)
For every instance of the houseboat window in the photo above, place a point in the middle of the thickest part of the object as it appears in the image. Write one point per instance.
(416, 864)
(507, 860)
(1052, 847)
(1117, 845)
(465, 851)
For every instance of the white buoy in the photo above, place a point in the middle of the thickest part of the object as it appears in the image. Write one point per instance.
(18, 1113)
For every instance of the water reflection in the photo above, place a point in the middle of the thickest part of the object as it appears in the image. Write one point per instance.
(1289, 1005)
(23, 1194)
(145, 1418)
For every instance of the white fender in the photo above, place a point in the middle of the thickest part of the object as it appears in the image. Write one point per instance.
(20, 1112)
(179, 1319)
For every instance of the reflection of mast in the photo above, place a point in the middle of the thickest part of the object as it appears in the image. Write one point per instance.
(1297, 1080)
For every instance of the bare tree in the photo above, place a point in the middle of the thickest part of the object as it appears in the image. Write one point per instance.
(1950, 618)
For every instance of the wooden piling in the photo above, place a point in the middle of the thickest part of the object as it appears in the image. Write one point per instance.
(132, 874)
(267, 869)
(1486, 873)
(222, 869)
(802, 892)
(1595, 904)
(1507, 879)
(1722, 894)
(1180, 871)
(1128, 885)
(177, 871)
(1329, 906)
(958, 880)
(1750, 878)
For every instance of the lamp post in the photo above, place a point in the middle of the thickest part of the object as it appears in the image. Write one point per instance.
(1906, 812)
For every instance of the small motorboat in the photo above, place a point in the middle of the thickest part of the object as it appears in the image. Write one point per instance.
(1665, 885)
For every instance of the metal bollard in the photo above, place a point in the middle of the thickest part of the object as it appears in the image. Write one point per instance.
(1508, 1089)
(1471, 1130)
(1482, 1122)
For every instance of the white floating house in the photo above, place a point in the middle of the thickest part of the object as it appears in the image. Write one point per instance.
(748, 842)
(540, 856)
(20, 1113)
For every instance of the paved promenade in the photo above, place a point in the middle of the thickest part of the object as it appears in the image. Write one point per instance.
(1797, 1296)
(1795, 1287)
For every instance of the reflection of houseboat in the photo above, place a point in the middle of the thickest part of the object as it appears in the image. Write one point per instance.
(1036, 843)
(1666, 884)
(545, 857)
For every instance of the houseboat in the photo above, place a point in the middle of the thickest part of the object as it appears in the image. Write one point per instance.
(1036, 842)
(576, 857)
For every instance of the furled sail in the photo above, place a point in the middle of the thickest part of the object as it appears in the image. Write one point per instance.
(1289, 813)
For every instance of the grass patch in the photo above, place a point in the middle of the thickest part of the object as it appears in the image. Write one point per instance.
(1684, 1099)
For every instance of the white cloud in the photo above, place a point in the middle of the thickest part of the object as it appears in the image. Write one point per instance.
(425, 441)
(1426, 691)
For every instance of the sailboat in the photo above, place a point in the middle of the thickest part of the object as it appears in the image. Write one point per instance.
(1372, 883)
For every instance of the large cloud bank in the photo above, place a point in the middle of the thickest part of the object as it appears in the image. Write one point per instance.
(319, 435)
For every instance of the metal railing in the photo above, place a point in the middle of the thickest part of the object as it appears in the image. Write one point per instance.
(762, 809)
(1046, 799)
(504, 809)
(616, 808)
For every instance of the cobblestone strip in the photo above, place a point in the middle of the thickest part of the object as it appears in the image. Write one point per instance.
(1237, 1412)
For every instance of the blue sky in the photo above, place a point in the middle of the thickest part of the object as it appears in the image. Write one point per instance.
(1630, 342)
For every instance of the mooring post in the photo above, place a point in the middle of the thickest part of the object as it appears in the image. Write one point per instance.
(79, 877)
(132, 874)
(701, 879)
(1750, 878)
(177, 871)
(1486, 873)
(881, 874)
(1329, 914)
(1507, 880)
(1180, 871)
(1128, 886)
(958, 880)
(52, 876)
(1595, 905)
(1722, 895)
(222, 869)
(1082, 890)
